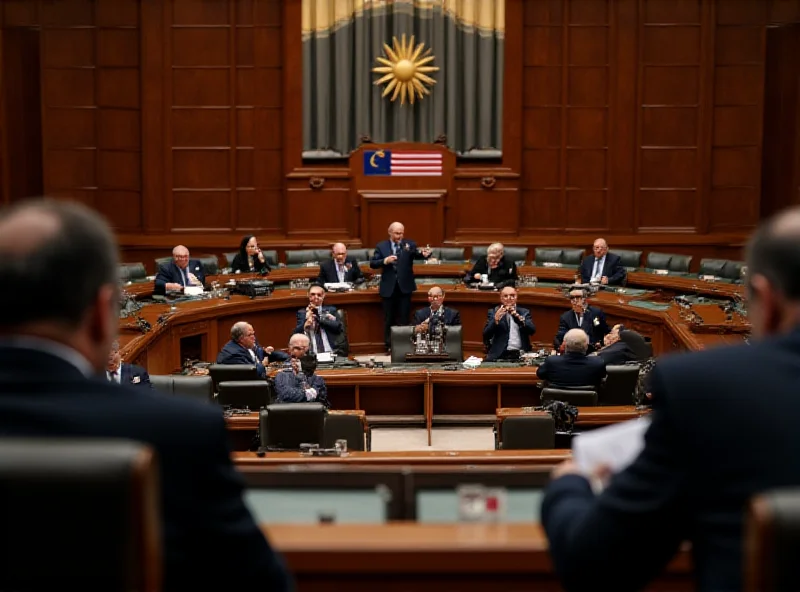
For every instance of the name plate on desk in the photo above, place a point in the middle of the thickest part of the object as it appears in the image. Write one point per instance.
(708, 278)
(661, 271)
(551, 264)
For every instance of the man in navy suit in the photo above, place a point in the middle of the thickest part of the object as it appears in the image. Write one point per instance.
(508, 328)
(582, 316)
(574, 368)
(319, 323)
(604, 267)
(449, 316)
(120, 373)
(339, 269)
(53, 355)
(244, 349)
(179, 273)
(699, 467)
(395, 258)
(615, 350)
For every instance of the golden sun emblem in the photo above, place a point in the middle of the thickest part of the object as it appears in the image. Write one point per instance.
(405, 70)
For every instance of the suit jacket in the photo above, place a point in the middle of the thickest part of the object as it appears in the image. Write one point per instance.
(290, 388)
(505, 274)
(332, 327)
(495, 335)
(595, 330)
(451, 315)
(242, 265)
(572, 369)
(328, 275)
(401, 272)
(169, 273)
(233, 353)
(617, 354)
(695, 475)
(133, 375)
(612, 269)
(211, 540)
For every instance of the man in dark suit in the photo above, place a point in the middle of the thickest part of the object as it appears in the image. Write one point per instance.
(244, 349)
(121, 373)
(319, 323)
(582, 316)
(53, 355)
(574, 368)
(339, 269)
(508, 328)
(449, 316)
(298, 383)
(699, 466)
(615, 351)
(395, 258)
(604, 267)
(179, 273)
(495, 267)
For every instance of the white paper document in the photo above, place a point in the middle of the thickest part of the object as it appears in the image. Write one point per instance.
(338, 285)
(193, 290)
(615, 446)
(324, 357)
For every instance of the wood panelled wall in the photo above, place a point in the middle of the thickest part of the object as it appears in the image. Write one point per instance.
(181, 121)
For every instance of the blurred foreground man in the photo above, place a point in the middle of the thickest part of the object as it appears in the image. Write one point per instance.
(53, 355)
(721, 432)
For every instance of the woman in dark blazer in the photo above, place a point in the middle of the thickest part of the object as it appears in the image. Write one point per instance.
(250, 259)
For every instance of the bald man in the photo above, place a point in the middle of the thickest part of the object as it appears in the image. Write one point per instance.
(179, 273)
(340, 268)
(603, 267)
(395, 260)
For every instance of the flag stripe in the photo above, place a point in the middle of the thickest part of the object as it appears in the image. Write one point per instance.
(427, 155)
(417, 174)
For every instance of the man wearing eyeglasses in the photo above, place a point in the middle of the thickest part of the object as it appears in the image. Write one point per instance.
(436, 310)
(179, 273)
(582, 316)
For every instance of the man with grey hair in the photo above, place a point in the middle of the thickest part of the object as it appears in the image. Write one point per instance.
(574, 368)
(499, 271)
(395, 258)
(243, 348)
(698, 469)
(119, 372)
(582, 316)
(340, 268)
(603, 267)
(179, 273)
(53, 358)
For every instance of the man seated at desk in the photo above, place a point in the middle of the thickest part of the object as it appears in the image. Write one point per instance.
(179, 273)
(574, 368)
(340, 268)
(508, 328)
(436, 310)
(604, 267)
(616, 352)
(582, 316)
(128, 374)
(319, 323)
(298, 383)
(500, 272)
(244, 349)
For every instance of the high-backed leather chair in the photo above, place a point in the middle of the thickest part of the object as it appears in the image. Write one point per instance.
(340, 426)
(448, 254)
(528, 433)
(200, 388)
(619, 385)
(772, 542)
(637, 343)
(401, 344)
(287, 425)
(56, 492)
(631, 260)
(231, 372)
(271, 257)
(298, 257)
(454, 342)
(724, 268)
(132, 272)
(571, 257)
(668, 261)
(360, 255)
(342, 343)
(579, 398)
(253, 394)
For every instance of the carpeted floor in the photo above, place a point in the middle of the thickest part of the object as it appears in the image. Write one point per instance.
(443, 438)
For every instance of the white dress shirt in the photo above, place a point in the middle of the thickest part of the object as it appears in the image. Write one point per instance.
(597, 271)
(514, 339)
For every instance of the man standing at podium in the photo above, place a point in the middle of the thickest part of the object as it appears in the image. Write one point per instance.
(395, 258)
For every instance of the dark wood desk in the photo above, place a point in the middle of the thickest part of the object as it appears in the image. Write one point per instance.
(587, 416)
(403, 556)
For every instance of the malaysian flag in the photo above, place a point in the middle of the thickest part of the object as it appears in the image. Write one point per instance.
(405, 163)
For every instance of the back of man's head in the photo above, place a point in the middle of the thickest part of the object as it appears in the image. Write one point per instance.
(56, 258)
(774, 252)
(576, 341)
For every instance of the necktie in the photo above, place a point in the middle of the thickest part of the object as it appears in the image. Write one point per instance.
(597, 270)
(580, 320)
(112, 376)
(396, 249)
(318, 339)
(184, 277)
(341, 272)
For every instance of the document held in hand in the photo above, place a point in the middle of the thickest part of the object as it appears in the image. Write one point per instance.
(615, 446)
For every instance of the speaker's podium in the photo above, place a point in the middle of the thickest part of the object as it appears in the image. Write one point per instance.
(406, 182)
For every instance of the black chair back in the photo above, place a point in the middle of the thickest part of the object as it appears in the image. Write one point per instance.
(340, 426)
(579, 398)
(401, 343)
(772, 542)
(668, 261)
(132, 272)
(241, 394)
(200, 388)
(231, 372)
(528, 433)
(631, 260)
(639, 346)
(449, 254)
(619, 386)
(54, 492)
(342, 344)
(288, 425)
